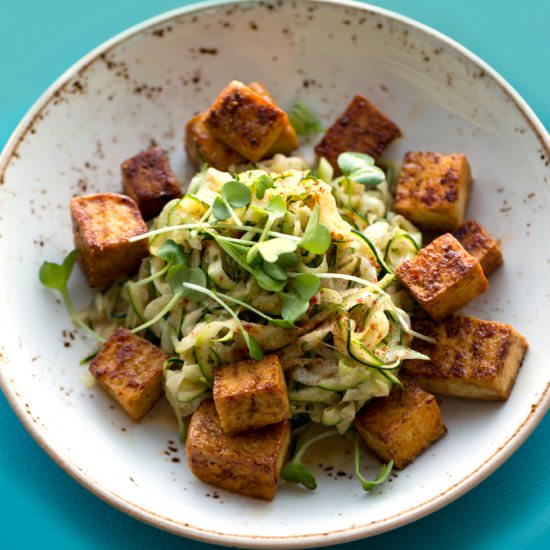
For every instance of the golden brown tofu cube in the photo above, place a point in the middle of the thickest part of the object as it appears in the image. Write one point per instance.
(477, 242)
(361, 128)
(442, 277)
(250, 394)
(129, 369)
(400, 426)
(433, 190)
(287, 141)
(202, 146)
(102, 226)
(149, 180)
(245, 120)
(248, 463)
(471, 358)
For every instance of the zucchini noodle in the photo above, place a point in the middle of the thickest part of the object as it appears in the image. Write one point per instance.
(266, 279)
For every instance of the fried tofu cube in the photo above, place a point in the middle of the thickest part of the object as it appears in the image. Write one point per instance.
(287, 141)
(477, 242)
(470, 358)
(400, 426)
(433, 190)
(149, 180)
(248, 463)
(250, 394)
(202, 146)
(442, 277)
(102, 226)
(245, 120)
(129, 369)
(360, 128)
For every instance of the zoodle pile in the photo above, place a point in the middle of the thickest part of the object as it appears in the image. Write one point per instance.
(277, 258)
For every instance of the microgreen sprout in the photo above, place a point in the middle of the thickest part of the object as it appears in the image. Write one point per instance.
(273, 248)
(316, 237)
(261, 184)
(206, 227)
(56, 277)
(254, 349)
(176, 276)
(381, 476)
(295, 302)
(303, 119)
(234, 194)
(360, 168)
(275, 270)
(173, 254)
(296, 471)
(239, 254)
(278, 322)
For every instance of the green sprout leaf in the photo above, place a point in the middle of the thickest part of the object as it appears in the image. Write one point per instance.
(306, 285)
(180, 274)
(275, 271)
(236, 193)
(56, 277)
(254, 349)
(276, 206)
(172, 253)
(220, 209)
(266, 281)
(273, 248)
(238, 253)
(296, 471)
(381, 476)
(350, 162)
(295, 302)
(261, 184)
(290, 259)
(299, 474)
(304, 120)
(361, 169)
(316, 237)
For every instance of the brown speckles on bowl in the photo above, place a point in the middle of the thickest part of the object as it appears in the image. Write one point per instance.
(161, 31)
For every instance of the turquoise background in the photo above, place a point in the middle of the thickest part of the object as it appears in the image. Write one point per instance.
(41, 506)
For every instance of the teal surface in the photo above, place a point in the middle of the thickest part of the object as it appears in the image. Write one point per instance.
(42, 507)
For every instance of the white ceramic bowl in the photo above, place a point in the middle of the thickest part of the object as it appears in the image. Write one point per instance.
(141, 87)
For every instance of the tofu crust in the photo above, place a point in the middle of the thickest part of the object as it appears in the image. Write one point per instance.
(288, 140)
(361, 128)
(202, 146)
(250, 394)
(129, 369)
(443, 277)
(433, 190)
(148, 179)
(471, 358)
(102, 225)
(400, 426)
(245, 120)
(248, 463)
(477, 242)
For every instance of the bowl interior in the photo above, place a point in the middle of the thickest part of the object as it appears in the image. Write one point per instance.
(141, 89)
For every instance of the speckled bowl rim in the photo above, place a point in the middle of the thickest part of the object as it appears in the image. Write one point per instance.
(537, 410)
